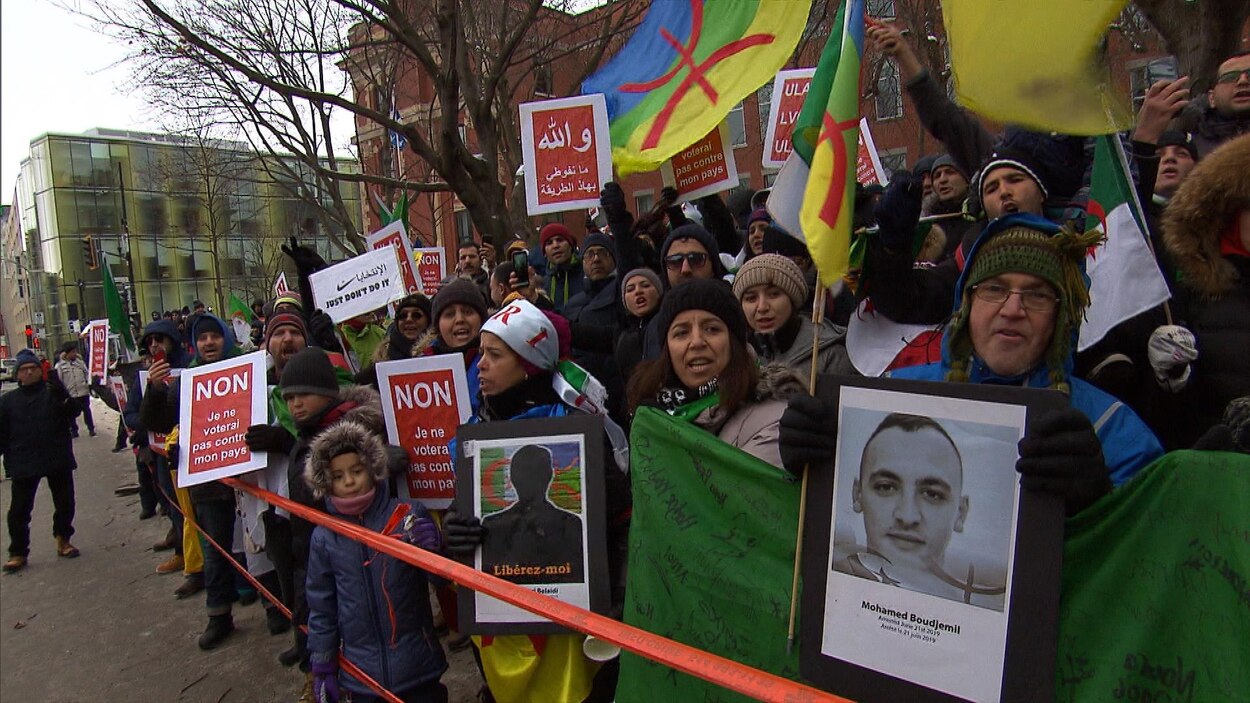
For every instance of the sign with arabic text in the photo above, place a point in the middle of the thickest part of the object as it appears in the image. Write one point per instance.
(703, 168)
(217, 403)
(359, 285)
(567, 152)
(789, 91)
(431, 268)
(394, 235)
(98, 349)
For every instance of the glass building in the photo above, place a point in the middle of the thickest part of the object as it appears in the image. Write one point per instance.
(176, 221)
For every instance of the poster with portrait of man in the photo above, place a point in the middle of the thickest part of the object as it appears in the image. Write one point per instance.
(537, 486)
(929, 575)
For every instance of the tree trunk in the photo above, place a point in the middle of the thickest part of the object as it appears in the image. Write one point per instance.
(1201, 34)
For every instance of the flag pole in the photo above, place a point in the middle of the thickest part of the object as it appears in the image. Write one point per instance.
(818, 318)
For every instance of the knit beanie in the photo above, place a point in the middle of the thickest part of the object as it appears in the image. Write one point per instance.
(710, 295)
(696, 232)
(459, 290)
(309, 372)
(26, 356)
(923, 165)
(759, 215)
(1175, 137)
(528, 332)
(555, 229)
(948, 160)
(599, 239)
(1008, 158)
(646, 273)
(284, 319)
(416, 300)
(776, 270)
(1028, 244)
(779, 241)
(290, 298)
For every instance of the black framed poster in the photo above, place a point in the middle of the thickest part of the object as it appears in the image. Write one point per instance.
(928, 574)
(537, 486)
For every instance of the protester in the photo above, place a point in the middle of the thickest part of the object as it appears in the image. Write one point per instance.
(469, 265)
(458, 312)
(76, 379)
(412, 319)
(35, 442)
(396, 646)
(1225, 113)
(690, 252)
(362, 335)
(598, 306)
(522, 376)
(641, 290)
(564, 269)
(1200, 363)
(756, 224)
(771, 291)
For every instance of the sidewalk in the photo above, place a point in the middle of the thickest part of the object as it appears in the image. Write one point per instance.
(106, 627)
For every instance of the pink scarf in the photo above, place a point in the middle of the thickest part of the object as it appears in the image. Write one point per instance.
(356, 505)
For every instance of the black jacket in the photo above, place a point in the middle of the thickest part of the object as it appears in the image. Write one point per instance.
(34, 430)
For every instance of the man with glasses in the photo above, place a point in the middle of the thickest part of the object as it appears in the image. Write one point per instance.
(690, 252)
(1226, 112)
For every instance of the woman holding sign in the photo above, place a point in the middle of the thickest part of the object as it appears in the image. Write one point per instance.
(522, 375)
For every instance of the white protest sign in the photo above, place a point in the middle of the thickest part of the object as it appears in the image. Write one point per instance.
(359, 285)
(217, 403)
(431, 268)
(394, 235)
(567, 152)
(279, 286)
(424, 400)
(118, 386)
(868, 167)
(703, 168)
(789, 91)
(156, 440)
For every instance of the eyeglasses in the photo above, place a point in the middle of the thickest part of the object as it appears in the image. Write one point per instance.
(696, 258)
(1032, 300)
(1232, 76)
(597, 253)
(413, 315)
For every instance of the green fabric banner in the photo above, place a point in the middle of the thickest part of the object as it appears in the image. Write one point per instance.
(711, 557)
(1156, 587)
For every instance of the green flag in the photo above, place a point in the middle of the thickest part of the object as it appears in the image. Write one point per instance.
(711, 551)
(119, 322)
(239, 308)
(1156, 587)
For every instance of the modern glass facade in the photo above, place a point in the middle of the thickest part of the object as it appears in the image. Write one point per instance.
(196, 216)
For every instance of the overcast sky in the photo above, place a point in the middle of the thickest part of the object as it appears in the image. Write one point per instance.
(56, 76)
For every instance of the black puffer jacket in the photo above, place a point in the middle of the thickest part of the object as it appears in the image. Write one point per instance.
(34, 430)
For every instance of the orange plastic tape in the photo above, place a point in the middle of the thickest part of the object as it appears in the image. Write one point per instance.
(730, 674)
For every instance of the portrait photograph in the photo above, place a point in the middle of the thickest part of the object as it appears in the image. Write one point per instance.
(536, 485)
(913, 583)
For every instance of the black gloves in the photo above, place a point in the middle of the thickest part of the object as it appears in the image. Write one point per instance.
(1060, 454)
(898, 211)
(321, 329)
(668, 196)
(269, 438)
(809, 434)
(463, 533)
(612, 200)
(307, 260)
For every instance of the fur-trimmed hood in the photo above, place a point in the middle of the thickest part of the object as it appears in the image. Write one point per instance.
(341, 438)
(1195, 218)
(778, 382)
(368, 410)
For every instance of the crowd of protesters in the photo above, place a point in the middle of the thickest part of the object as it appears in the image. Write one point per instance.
(708, 310)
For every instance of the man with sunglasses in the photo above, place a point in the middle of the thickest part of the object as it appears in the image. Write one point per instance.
(690, 252)
(1021, 300)
(1226, 111)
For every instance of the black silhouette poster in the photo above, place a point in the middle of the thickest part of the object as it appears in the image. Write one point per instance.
(537, 487)
(928, 574)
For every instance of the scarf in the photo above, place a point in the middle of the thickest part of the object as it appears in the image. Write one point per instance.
(356, 505)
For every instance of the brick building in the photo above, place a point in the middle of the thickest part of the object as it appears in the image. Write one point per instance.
(1134, 52)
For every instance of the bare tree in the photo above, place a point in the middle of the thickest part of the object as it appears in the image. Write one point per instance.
(1199, 33)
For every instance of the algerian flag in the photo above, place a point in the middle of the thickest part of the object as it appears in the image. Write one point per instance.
(118, 321)
(1124, 275)
(240, 317)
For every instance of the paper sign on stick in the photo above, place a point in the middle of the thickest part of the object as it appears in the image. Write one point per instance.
(789, 90)
(361, 284)
(396, 236)
(98, 349)
(118, 386)
(431, 268)
(156, 440)
(567, 153)
(704, 168)
(424, 400)
(217, 403)
(867, 163)
(280, 287)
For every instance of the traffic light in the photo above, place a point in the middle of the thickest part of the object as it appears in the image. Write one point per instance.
(30, 336)
(89, 254)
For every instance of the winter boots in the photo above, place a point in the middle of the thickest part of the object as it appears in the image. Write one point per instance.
(219, 628)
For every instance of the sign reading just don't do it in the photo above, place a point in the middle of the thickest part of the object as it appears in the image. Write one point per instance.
(567, 152)
(217, 403)
(424, 400)
(359, 285)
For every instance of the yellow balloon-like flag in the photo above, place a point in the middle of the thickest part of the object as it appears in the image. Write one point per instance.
(1036, 64)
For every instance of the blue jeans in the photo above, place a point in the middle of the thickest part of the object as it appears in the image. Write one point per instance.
(216, 518)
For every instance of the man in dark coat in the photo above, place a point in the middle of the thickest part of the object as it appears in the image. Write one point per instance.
(598, 306)
(35, 442)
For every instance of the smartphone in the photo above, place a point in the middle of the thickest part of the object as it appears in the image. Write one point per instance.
(521, 264)
(159, 355)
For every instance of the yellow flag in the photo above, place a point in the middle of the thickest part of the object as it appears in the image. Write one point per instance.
(1036, 63)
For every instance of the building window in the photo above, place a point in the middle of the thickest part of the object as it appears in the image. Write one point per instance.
(764, 96)
(737, 126)
(464, 226)
(881, 9)
(542, 82)
(889, 99)
(744, 186)
(893, 160)
(1141, 77)
(644, 200)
